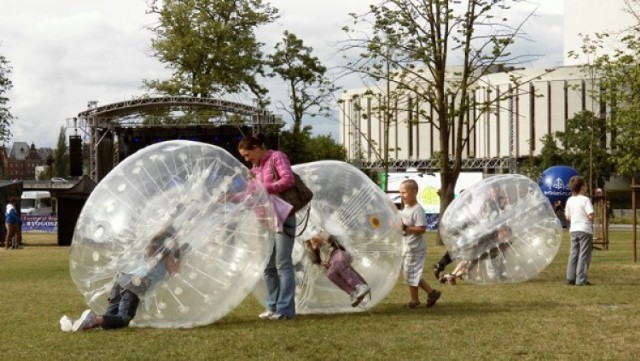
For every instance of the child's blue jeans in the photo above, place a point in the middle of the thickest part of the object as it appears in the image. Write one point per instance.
(122, 308)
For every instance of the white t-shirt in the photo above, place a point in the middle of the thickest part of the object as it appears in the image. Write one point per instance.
(414, 216)
(577, 210)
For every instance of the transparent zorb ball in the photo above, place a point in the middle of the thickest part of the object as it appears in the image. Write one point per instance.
(221, 226)
(503, 228)
(351, 207)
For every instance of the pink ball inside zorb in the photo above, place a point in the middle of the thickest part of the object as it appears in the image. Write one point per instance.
(504, 228)
(222, 226)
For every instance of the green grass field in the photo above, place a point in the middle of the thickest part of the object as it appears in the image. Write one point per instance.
(541, 319)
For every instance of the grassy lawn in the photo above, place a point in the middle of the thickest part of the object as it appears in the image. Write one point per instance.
(538, 320)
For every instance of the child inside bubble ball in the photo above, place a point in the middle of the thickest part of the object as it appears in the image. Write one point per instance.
(489, 246)
(325, 250)
(162, 256)
(489, 206)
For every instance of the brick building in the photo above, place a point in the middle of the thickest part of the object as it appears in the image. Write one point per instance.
(20, 160)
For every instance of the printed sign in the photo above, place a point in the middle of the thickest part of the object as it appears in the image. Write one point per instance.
(39, 223)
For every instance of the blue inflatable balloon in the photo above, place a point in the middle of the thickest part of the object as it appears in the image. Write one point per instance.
(554, 183)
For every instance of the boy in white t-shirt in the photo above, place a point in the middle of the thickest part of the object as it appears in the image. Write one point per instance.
(579, 212)
(414, 224)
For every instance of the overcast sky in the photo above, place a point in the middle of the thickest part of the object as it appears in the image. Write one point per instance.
(67, 52)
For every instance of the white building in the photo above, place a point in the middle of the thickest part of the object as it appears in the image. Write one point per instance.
(513, 130)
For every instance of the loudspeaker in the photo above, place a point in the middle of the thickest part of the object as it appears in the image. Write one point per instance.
(75, 155)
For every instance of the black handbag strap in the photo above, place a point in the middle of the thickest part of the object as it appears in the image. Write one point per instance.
(305, 220)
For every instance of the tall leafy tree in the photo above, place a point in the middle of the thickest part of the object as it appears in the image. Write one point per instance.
(550, 155)
(324, 147)
(411, 44)
(310, 92)
(621, 79)
(617, 76)
(6, 118)
(308, 148)
(210, 45)
(584, 148)
(61, 166)
(585, 136)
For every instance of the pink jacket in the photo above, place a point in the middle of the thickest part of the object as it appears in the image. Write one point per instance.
(264, 174)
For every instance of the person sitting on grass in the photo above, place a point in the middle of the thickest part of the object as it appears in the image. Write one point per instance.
(325, 250)
(165, 255)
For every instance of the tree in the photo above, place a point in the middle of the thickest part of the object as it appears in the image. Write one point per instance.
(323, 147)
(621, 82)
(310, 92)
(618, 80)
(550, 155)
(416, 40)
(585, 155)
(61, 166)
(210, 46)
(310, 149)
(6, 118)
(585, 133)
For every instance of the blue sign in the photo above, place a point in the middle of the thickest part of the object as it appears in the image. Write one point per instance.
(39, 223)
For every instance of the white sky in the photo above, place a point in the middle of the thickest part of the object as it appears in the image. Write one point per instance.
(67, 52)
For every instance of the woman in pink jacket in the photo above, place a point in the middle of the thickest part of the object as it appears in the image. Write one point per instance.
(278, 275)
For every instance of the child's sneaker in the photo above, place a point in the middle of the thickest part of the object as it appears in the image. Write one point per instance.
(433, 297)
(266, 314)
(448, 278)
(360, 293)
(451, 279)
(179, 253)
(86, 321)
(66, 323)
(279, 317)
(437, 270)
(411, 305)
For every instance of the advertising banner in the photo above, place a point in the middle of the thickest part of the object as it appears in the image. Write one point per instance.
(46, 223)
(428, 185)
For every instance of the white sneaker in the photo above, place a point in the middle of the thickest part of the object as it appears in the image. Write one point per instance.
(266, 314)
(361, 292)
(86, 321)
(277, 316)
(66, 323)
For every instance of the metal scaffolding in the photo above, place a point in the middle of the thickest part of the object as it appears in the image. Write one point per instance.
(434, 164)
(98, 121)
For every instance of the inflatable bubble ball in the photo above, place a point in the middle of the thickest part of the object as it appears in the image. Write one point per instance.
(352, 208)
(502, 229)
(176, 203)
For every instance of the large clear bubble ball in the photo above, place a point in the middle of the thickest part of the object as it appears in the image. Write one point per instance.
(503, 228)
(348, 205)
(188, 201)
